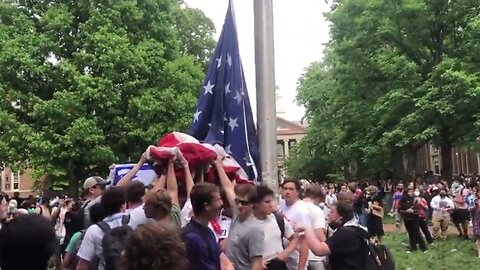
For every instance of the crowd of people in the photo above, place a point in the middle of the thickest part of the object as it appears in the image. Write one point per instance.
(197, 225)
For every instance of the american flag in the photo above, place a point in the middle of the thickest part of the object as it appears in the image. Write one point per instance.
(223, 114)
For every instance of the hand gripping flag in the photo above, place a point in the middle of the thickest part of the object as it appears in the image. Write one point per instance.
(223, 115)
(175, 145)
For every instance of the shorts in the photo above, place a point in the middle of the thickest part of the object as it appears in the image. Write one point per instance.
(460, 216)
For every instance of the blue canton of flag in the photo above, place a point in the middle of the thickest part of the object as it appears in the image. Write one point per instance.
(223, 114)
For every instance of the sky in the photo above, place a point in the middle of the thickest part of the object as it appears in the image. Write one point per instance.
(300, 34)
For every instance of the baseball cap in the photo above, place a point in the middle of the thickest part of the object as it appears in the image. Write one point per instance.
(93, 181)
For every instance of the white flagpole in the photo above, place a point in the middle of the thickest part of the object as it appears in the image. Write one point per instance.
(265, 82)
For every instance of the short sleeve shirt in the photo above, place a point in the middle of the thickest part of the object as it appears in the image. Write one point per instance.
(317, 217)
(92, 241)
(73, 241)
(296, 213)
(273, 243)
(245, 242)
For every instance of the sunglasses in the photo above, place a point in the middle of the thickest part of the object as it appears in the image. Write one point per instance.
(242, 202)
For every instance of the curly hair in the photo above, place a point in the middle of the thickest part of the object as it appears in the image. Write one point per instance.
(159, 200)
(155, 246)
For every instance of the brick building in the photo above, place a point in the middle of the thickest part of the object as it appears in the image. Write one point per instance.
(464, 161)
(16, 181)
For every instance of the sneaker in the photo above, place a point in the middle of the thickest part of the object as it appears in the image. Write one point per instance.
(425, 251)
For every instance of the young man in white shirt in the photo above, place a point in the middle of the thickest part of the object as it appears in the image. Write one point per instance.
(442, 206)
(313, 196)
(274, 253)
(114, 205)
(295, 211)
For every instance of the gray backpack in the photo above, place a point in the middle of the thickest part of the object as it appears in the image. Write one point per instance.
(114, 241)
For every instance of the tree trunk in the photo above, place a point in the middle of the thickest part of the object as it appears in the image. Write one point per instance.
(412, 161)
(73, 185)
(447, 165)
(397, 164)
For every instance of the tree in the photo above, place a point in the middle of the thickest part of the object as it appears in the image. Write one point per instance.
(397, 74)
(91, 83)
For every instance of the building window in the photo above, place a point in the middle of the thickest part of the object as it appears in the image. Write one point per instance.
(291, 144)
(16, 180)
(280, 150)
(436, 164)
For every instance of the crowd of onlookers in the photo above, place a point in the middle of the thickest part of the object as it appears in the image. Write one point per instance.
(418, 204)
(191, 224)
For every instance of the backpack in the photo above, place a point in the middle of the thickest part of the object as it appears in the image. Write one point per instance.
(377, 256)
(78, 244)
(281, 224)
(114, 241)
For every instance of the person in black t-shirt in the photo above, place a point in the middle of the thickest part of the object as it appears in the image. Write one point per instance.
(409, 210)
(346, 248)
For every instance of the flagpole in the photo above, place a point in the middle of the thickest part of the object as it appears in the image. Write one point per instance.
(265, 82)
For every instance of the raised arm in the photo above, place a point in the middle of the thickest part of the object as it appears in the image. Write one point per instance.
(227, 185)
(172, 185)
(160, 183)
(188, 176)
(128, 177)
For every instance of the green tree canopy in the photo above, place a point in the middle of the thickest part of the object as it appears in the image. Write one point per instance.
(396, 74)
(88, 83)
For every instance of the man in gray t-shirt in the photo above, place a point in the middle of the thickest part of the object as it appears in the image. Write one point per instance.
(245, 243)
(246, 237)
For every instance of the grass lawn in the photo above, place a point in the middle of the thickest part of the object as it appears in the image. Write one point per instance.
(452, 254)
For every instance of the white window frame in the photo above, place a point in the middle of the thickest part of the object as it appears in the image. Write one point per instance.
(15, 179)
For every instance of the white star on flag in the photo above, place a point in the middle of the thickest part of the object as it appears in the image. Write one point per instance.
(227, 89)
(219, 62)
(247, 160)
(209, 88)
(196, 115)
(227, 149)
(229, 60)
(238, 97)
(233, 123)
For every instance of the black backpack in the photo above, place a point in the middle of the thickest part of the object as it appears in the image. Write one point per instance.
(281, 223)
(114, 241)
(377, 256)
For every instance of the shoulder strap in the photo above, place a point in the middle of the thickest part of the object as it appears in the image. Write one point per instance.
(85, 204)
(125, 220)
(281, 224)
(104, 226)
